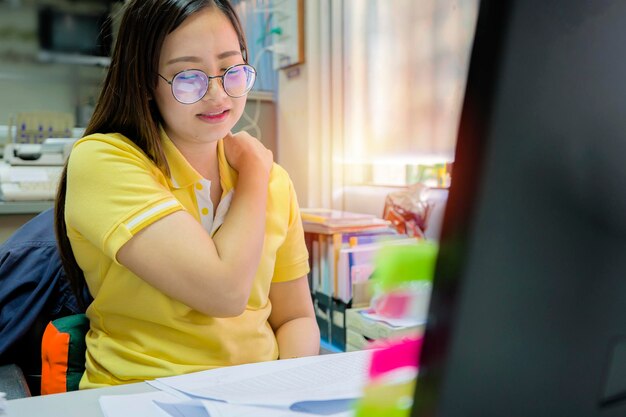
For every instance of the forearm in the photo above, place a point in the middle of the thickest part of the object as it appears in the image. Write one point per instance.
(298, 337)
(239, 241)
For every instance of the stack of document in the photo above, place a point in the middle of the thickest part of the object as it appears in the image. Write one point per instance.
(318, 385)
(24, 183)
(328, 221)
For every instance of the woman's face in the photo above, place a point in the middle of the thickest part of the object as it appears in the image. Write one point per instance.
(206, 41)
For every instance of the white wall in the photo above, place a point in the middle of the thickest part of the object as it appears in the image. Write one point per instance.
(293, 124)
(303, 142)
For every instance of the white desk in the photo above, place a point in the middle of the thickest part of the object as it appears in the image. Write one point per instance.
(72, 404)
(300, 380)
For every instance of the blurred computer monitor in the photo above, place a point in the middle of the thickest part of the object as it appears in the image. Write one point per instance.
(528, 312)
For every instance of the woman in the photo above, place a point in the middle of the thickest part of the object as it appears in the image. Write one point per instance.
(188, 237)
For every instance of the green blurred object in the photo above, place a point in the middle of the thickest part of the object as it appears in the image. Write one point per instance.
(397, 265)
(399, 269)
(386, 399)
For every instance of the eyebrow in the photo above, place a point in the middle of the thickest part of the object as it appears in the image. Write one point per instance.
(196, 59)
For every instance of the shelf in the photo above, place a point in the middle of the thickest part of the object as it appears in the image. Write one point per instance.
(73, 59)
(24, 207)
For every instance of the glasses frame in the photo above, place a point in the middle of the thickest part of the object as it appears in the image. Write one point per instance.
(210, 77)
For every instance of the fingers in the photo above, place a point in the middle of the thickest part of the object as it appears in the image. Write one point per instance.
(244, 151)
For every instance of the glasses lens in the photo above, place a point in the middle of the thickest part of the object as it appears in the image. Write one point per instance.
(239, 79)
(190, 86)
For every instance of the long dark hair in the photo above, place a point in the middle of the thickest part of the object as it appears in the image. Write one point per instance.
(124, 105)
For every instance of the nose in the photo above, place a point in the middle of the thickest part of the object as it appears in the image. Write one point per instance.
(215, 90)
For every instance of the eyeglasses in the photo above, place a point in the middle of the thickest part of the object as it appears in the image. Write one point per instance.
(189, 86)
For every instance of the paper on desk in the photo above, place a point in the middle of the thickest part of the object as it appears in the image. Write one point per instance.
(394, 322)
(187, 408)
(282, 383)
(162, 404)
(208, 408)
(136, 405)
(166, 388)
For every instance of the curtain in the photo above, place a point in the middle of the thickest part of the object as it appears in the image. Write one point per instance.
(404, 68)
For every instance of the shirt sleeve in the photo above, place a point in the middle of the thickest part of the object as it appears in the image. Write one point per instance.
(292, 257)
(113, 192)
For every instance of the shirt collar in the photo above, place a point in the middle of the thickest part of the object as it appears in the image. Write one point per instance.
(183, 174)
(228, 176)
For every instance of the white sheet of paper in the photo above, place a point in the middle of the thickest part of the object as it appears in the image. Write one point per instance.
(218, 409)
(162, 404)
(184, 408)
(136, 405)
(166, 388)
(395, 322)
(280, 383)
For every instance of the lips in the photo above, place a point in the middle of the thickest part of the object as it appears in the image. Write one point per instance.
(214, 116)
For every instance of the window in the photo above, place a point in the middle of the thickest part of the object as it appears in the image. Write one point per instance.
(404, 69)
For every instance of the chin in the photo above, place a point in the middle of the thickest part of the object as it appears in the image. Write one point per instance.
(213, 135)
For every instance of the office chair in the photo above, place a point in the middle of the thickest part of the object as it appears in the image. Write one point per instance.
(33, 292)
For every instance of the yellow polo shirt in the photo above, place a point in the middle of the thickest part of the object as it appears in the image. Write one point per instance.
(136, 331)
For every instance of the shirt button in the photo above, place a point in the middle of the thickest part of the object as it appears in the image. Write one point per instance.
(199, 186)
(205, 211)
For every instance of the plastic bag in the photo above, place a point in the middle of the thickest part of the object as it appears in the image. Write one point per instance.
(407, 210)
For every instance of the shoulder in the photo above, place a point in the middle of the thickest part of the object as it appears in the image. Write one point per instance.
(98, 158)
(279, 174)
(106, 150)
(103, 142)
(280, 180)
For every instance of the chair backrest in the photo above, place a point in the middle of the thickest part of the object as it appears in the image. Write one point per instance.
(63, 354)
(33, 291)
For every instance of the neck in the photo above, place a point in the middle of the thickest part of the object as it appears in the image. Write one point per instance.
(202, 157)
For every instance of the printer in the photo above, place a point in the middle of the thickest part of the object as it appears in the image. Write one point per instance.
(31, 171)
(52, 151)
